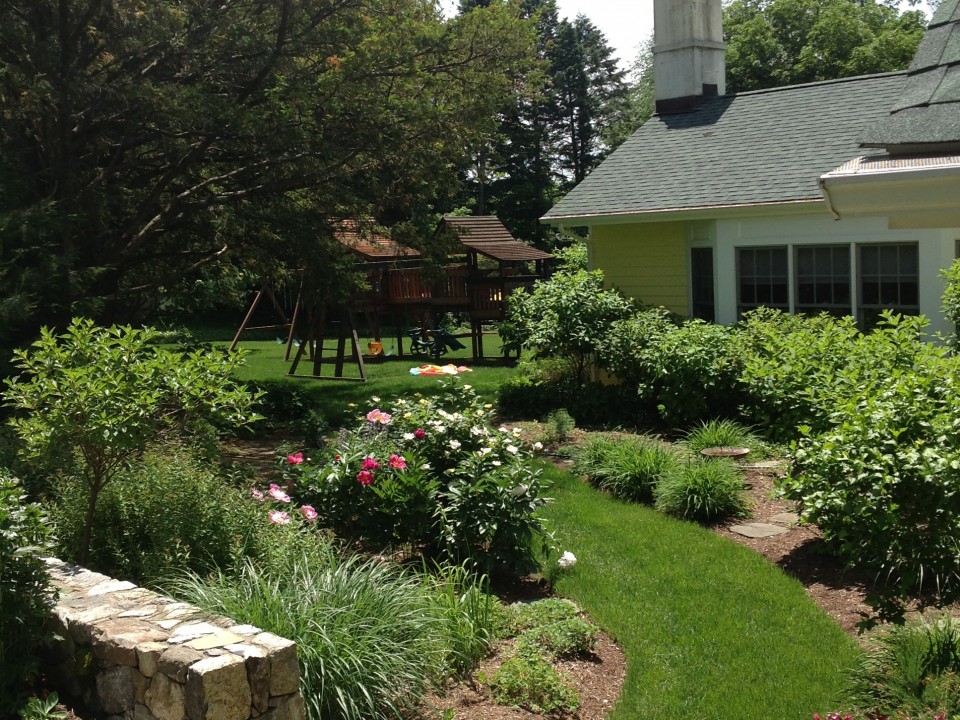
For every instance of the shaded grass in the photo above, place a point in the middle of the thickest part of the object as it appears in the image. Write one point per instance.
(710, 629)
(388, 379)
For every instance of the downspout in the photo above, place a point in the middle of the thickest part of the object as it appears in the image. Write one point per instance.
(826, 196)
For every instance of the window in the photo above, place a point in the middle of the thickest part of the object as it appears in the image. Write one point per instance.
(701, 283)
(888, 280)
(823, 280)
(763, 279)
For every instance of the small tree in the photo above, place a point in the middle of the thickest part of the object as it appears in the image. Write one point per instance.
(98, 396)
(568, 315)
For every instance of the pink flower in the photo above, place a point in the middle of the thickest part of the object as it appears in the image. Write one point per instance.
(277, 494)
(397, 462)
(295, 458)
(364, 477)
(257, 494)
(308, 513)
(370, 463)
(278, 517)
(377, 416)
(419, 433)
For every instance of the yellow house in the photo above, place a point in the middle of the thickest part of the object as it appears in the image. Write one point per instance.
(714, 206)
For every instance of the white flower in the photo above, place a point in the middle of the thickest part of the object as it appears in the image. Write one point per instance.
(512, 449)
(485, 450)
(375, 399)
(408, 436)
(440, 428)
(567, 560)
(503, 429)
(516, 431)
(455, 444)
(476, 430)
(468, 387)
(538, 446)
(496, 463)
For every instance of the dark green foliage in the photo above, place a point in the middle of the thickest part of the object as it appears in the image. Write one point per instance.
(168, 511)
(912, 668)
(532, 683)
(951, 301)
(628, 468)
(881, 482)
(25, 595)
(702, 490)
(726, 433)
(558, 425)
(687, 369)
(785, 42)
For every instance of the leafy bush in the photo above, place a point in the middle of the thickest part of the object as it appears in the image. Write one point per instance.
(792, 367)
(702, 490)
(522, 616)
(567, 316)
(560, 639)
(881, 483)
(913, 668)
(435, 476)
(25, 595)
(170, 510)
(94, 398)
(532, 683)
(370, 637)
(950, 302)
(688, 370)
(628, 468)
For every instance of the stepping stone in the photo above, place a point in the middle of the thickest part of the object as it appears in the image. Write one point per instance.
(786, 518)
(766, 465)
(758, 530)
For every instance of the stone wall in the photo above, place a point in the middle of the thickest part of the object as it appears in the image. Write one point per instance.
(129, 653)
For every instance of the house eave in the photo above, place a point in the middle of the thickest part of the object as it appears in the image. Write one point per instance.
(923, 196)
(803, 206)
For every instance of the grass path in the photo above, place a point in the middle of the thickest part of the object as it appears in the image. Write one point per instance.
(711, 630)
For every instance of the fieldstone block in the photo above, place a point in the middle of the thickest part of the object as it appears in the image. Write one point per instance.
(217, 689)
(758, 530)
(148, 657)
(289, 707)
(115, 641)
(140, 685)
(175, 661)
(142, 712)
(110, 586)
(115, 689)
(165, 698)
(284, 666)
(258, 674)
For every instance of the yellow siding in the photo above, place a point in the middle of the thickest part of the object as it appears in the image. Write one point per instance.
(645, 261)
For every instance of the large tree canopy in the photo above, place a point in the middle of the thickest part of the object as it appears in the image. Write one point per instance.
(784, 42)
(141, 139)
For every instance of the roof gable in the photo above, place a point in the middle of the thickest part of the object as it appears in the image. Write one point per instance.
(755, 148)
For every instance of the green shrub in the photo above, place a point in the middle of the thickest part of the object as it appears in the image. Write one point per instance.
(791, 366)
(557, 426)
(881, 483)
(950, 305)
(170, 510)
(913, 668)
(702, 490)
(688, 370)
(533, 684)
(567, 316)
(94, 398)
(370, 637)
(560, 639)
(627, 468)
(434, 476)
(522, 616)
(590, 404)
(25, 594)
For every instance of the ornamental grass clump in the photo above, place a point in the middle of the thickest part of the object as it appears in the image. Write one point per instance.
(627, 468)
(724, 433)
(702, 490)
(371, 637)
(912, 669)
(431, 477)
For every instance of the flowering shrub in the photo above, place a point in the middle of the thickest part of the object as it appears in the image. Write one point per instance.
(435, 476)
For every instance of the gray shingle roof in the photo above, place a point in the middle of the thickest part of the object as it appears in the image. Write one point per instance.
(929, 112)
(767, 146)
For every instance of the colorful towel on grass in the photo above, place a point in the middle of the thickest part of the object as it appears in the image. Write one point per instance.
(450, 369)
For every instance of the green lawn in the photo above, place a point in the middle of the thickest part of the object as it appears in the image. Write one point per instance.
(711, 630)
(388, 379)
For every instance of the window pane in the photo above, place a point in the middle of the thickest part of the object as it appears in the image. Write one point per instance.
(780, 296)
(909, 293)
(869, 262)
(805, 295)
(909, 260)
(870, 293)
(888, 280)
(889, 264)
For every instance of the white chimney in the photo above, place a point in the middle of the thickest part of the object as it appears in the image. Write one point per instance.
(688, 53)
